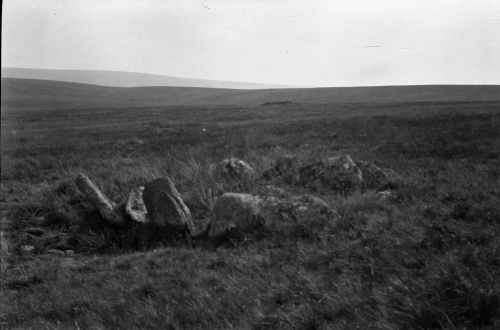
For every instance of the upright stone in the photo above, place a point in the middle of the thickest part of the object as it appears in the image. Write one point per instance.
(105, 206)
(165, 206)
(135, 207)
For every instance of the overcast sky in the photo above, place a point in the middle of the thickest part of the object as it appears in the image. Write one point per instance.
(304, 43)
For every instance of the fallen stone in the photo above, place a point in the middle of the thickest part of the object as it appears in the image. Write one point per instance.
(234, 168)
(299, 208)
(105, 206)
(339, 174)
(166, 208)
(248, 214)
(373, 176)
(135, 208)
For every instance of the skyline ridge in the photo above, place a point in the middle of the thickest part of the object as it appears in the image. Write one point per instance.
(177, 81)
(119, 78)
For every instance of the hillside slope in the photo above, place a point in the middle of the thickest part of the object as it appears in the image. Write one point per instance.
(125, 79)
(43, 94)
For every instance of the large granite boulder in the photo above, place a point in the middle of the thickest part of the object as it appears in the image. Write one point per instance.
(135, 208)
(166, 208)
(255, 215)
(338, 173)
(291, 214)
(234, 168)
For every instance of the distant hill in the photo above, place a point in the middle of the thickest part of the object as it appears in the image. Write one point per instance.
(125, 79)
(30, 93)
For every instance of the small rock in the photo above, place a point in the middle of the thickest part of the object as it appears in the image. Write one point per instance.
(275, 190)
(166, 208)
(373, 176)
(135, 207)
(386, 194)
(27, 248)
(234, 168)
(233, 210)
(339, 174)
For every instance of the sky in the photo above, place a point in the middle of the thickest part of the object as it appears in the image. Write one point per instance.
(301, 43)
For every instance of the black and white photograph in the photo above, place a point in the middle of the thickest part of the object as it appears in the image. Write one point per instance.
(250, 164)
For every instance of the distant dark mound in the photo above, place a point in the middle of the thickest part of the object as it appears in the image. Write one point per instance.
(278, 103)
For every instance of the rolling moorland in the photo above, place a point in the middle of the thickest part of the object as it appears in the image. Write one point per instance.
(427, 257)
(124, 79)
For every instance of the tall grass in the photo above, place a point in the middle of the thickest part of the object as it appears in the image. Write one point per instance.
(424, 257)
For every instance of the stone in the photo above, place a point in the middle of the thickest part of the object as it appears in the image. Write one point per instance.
(273, 190)
(294, 217)
(339, 174)
(166, 208)
(106, 207)
(305, 206)
(135, 208)
(27, 248)
(385, 194)
(254, 215)
(286, 167)
(234, 210)
(234, 168)
(373, 176)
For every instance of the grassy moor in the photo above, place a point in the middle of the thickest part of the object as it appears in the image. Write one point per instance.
(426, 256)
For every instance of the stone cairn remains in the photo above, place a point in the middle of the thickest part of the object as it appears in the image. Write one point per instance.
(159, 203)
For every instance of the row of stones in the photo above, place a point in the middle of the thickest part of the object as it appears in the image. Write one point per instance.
(160, 203)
